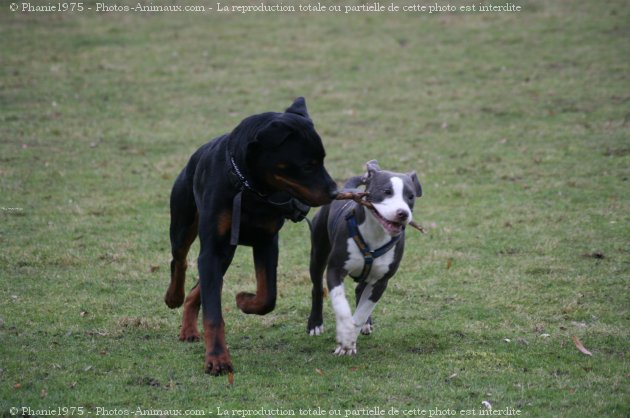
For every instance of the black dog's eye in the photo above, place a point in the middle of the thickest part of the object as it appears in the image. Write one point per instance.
(410, 196)
(388, 192)
(311, 165)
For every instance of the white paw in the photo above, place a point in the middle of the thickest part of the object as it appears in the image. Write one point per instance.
(367, 329)
(347, 334)
(319, 330)
(346, 350)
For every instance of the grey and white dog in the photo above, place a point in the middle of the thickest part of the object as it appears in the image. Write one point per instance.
(366, 243)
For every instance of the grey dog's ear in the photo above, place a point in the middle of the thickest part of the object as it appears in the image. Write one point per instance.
(372, 167)
(416, 183)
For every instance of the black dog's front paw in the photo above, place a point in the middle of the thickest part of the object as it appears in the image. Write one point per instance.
(250, 303)
(368, 327)
(217, 365)
(174, 298)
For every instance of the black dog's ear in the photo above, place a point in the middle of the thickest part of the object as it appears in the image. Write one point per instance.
(299, 108)
(273, 134)
(372, 167)
(416, 183)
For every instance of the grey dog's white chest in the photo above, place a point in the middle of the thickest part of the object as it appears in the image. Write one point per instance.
(355, 261)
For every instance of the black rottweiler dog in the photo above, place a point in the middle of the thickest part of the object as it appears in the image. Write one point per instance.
(238, 189)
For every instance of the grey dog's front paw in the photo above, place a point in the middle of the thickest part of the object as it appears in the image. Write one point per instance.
(346, 349)
(367, 329)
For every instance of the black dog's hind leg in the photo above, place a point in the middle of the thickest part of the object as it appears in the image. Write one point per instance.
(189, 331)
(265, 263)
(183, 231)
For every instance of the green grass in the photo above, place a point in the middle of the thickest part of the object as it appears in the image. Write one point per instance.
(517, 124)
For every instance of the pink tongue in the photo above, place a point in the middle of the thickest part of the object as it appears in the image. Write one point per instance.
(391, 226)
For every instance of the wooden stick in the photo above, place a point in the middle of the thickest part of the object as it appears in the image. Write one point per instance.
(417, 226)
(359, 197)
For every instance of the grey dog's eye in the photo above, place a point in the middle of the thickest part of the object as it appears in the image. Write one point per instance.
(388, 192)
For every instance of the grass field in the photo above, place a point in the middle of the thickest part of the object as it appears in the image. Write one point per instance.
(518, 125)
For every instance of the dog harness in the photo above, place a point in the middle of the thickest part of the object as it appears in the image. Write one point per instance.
(290, 207)
(368, 254)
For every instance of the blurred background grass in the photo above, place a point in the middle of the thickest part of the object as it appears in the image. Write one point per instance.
(517, 125)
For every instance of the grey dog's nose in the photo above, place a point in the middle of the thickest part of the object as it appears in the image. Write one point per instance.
(402, 215)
